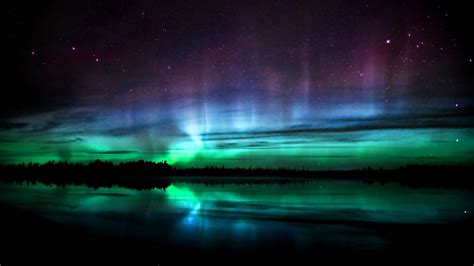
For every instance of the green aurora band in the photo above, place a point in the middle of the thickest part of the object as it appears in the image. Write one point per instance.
(313, 150)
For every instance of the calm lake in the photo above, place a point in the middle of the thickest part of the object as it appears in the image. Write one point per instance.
(324, 212)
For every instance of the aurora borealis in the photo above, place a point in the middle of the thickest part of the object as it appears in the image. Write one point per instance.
(319, 85)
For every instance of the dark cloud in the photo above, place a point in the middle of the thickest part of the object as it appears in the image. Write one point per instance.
(72, 117)
(161, 128)
(353, 125)
(67, 141)
(7, 140)
(8, 125)
(46, 126)
(111, 152)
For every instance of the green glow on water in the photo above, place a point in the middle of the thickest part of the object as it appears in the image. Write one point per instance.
(241, 215)
(326, 198)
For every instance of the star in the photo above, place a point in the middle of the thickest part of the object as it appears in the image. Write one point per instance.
(97, 59)
(73, 48)
(33, 53)
(387, 41)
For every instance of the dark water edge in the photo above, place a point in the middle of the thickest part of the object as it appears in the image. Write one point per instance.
(42, 240)
(146, 175)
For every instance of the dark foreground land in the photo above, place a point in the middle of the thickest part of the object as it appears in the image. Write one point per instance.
(27, 238)
(149, 175)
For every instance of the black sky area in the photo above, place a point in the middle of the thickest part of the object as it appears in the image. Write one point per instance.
(93, 25)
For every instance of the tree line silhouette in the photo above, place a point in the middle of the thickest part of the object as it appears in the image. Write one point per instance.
(148, 175)
(413, 175)
(137, 175)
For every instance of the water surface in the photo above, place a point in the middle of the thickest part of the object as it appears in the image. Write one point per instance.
(325, 212)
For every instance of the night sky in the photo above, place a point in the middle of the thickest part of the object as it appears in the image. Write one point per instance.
(317, 84)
